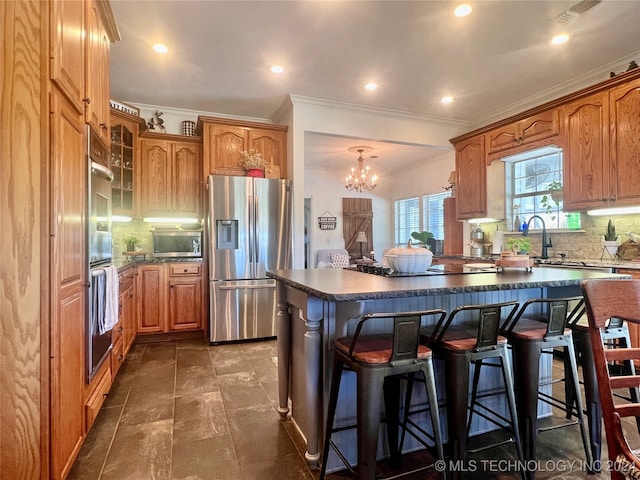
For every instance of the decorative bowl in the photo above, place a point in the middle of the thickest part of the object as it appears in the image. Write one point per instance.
(410, 262)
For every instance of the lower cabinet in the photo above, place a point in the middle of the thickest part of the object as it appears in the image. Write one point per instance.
(170, 297)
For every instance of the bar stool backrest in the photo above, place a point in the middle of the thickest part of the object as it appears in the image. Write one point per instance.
(606, 299)
(489, 319)
(556, 316)
(406, 334)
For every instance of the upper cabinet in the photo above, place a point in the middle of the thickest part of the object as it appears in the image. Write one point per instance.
(224, 140)
(67, 49)
(97, 75)
(124, 162)
(471, 180)
(81, 34)
(598, 129)
(170, 175)
(602, 149)
(522, 135)
(586, 152)
(624, 114)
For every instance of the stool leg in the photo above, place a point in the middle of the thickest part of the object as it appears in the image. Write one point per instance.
(407, 406)
(369, 407)
(392, 413)
(507, 376)
(432, 398)
(474, 392)
(527, 359)
(457, 388)
(583, 430)
(630, 369)
(336, 377)
(591, 396)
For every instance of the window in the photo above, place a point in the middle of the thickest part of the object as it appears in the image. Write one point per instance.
(413, 215)
(531, 178)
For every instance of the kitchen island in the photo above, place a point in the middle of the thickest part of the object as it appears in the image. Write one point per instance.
(316, 306)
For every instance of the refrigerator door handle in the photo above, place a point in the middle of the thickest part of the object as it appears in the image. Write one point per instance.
(256, 223)
(245, 287)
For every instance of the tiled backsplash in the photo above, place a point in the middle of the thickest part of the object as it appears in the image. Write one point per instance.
(585, 243)
(137, 227)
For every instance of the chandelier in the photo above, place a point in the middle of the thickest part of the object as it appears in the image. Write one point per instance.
(358, 178)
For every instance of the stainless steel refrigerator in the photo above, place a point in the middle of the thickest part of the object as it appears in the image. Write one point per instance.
(249, 232)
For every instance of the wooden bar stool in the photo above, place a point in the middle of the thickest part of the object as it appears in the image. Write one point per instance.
(607, 299)
(460, 346)
(544, 330)
(615, 334)
(375, 359)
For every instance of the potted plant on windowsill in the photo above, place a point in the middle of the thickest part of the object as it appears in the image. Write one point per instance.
(611, 239)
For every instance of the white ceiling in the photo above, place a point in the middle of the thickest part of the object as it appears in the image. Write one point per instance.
(495, 62)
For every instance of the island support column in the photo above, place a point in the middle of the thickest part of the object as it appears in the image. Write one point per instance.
(283, 319)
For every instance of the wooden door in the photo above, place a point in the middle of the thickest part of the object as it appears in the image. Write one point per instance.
(453, 236)
(185, 303)
(223, 144)
(186, 179)
(97, 75)
(471, 178)
(152, 288)
(155, 184)
(272, 145)
(625, 143)
(67, 49)
(586, 152)
(68, 278)
(357, 217)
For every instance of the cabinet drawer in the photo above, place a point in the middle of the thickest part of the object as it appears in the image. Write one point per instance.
(125, 279)
(97, 398)
(184, 269)
(117, 357)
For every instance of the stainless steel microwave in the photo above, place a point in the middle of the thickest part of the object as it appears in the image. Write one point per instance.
(177, 243)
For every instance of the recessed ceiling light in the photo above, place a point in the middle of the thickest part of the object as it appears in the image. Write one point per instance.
(277, 69)
(371, 86)
(560, 39)
(160, 48)
(446, 99)
(462, 10)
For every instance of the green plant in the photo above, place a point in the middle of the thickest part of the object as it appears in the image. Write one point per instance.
(130, 238)
(422, 237)
(552, 199)
(610, 232)
(519, 244)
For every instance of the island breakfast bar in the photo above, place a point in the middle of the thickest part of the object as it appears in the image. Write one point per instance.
(318, 305)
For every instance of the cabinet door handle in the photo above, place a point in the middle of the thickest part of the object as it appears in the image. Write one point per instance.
(185, 270)
(103, 126)
(86, 100)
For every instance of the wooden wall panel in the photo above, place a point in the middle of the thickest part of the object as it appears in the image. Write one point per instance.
(24, 354)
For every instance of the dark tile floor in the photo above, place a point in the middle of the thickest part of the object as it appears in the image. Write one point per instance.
(189, 411)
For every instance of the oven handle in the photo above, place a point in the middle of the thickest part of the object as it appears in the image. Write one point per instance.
(101, 169)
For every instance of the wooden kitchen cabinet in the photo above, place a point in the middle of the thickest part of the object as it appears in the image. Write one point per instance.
(124, 332)
(151, 301)
(97, 74)
(586, 152)
(170, 175)
(68, 49)
(185, 296)
(624, 143)
(224, 140)
(124, 162)
(68, 282)
(471, 178)
(170, 297)
(522, 135)
(602, 148)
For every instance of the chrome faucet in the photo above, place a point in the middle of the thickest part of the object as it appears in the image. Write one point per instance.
(545, 244)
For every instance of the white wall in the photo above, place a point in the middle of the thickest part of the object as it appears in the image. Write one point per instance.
(311, 115)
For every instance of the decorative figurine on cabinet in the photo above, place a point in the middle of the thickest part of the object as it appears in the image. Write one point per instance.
(156, 124)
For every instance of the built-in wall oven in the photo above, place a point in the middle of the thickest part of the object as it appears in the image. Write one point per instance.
(100, 299)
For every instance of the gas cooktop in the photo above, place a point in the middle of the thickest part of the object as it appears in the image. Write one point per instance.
(440, 269)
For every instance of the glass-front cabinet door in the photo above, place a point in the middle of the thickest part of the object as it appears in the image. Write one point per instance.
(123, 164)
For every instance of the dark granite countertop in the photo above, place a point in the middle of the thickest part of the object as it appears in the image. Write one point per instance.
(123, 264)
(341, 285)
